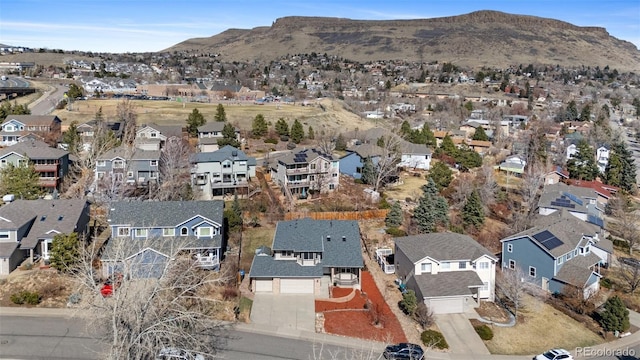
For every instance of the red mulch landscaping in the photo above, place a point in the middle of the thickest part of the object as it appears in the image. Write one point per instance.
(357, 302)
(359, 322)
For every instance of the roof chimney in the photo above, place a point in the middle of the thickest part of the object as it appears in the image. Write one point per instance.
(328, 237)
(344, 238)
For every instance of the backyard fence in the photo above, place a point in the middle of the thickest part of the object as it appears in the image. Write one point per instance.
(338, 215)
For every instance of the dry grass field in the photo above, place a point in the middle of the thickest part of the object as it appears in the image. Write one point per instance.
(322, 115)
(543, 328)
(253, 238)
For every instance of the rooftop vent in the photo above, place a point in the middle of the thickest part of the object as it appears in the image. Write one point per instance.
(344, 238)
(328, 237)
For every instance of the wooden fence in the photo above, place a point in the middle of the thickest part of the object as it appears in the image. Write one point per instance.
(339, 215)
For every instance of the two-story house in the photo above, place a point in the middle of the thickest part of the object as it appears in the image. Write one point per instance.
(146, 235)
(16, 126)
(581, 202)
(89, 129)
(27, 228)
(51, 164)
(449, 272)
(559, 250)
(307, 256)
(154, 136)
(225, 170)
(602, 158)
(209, 134)
(414, 156)
(132, 166)
(311, 169)
(353, 162)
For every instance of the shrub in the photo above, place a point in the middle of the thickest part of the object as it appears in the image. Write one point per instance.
(434, 338)
(409, 302)
(25, 297)
(606, 283)
(229, 293)
(484, 331)
(384, 204)
(395, 232)
(74, 298)
(52, 289)
(271, 141)
(358, 181)
(615, 316)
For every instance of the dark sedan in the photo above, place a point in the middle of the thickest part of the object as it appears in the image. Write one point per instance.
(404, 351)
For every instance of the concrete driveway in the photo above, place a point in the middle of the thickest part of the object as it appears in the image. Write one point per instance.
(284, 311)
(460, 335)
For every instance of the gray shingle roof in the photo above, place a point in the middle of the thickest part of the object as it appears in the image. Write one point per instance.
(212, 126)
(264, 266)
(122, 248)
(307, 235)
(372, 135)
(34, 119)
(163, 213)
(133, 154)
(166, 130)
(553, 191)
(576, 271)
(451, 283)
(367, 150)
(7, 249)
(34, 150)
(288, 158)
(564, 226)
(441, 247)
(225, 153)
(60, 215)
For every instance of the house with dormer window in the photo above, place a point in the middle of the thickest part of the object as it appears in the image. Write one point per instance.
(27, 228)
(132, 166)
(449, 272)
(15, 127)
(51, 164)
(558, 251)
(582, 202)
(154, 136)
(146, 235)
(209, 134)
(226, 170)
(308, 256)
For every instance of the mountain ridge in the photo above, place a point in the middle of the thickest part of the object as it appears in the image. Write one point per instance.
(481, 38)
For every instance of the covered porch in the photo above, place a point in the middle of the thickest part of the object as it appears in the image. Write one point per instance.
(346, 277)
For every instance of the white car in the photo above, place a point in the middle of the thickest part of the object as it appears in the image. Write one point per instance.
(177, 354)
(555, 354)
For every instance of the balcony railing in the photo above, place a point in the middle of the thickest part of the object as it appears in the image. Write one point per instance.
(48, 182)
(46, 167)
(345, 279)
(299, 170)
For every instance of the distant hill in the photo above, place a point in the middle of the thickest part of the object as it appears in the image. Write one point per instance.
(480, 38)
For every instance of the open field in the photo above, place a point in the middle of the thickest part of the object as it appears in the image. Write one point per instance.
(326, 115)
(543, 328)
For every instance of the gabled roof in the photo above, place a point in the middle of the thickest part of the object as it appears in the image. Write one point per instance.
(156, 214)
(225, 153)
(600, 188)
(307, 154)
(575, 197)
(366, 150)
(130, 154)
(60, 215)
(166, 130)
(558, 170)
(441, 247)
(34, 120)
(448, 283)
(564, 226)
(213, 126)
(372, 135)
(577, 270)
(34, 150)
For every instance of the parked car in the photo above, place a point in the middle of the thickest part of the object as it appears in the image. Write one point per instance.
(630, 261)
(177, 354)
(555, 354)
(403, 351)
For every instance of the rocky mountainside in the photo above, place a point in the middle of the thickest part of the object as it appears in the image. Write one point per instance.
(480, 38)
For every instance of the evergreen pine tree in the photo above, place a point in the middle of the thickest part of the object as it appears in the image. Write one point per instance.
(297, 132)
(341, 143)
(368, 172)
(259, 126)
(195, 120)
(282, 128)
(472, 211)
(627, 167)
(583, 164)
(447, 147)
(432, 208)
(229, 136)
(441, 174)
(394, 216)
(21, 181)
(428, 136)
(65, 253)
(480, 134)
(221, 114)
(615, 316)
(310, 134)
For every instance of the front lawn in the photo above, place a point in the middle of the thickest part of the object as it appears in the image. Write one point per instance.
(253, 238)
(540, 327)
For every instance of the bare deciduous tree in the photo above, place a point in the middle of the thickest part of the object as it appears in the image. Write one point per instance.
(511, 286)
(631, 276)
(388, 161)
(151, 306)
(174, 169)
(126, 114)
(487, 185)
(626, 223)
(423, 315)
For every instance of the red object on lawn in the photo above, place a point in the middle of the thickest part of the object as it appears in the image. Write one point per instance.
(107, 290)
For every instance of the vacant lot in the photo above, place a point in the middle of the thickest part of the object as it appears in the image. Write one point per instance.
(324, 115)
(542, 328)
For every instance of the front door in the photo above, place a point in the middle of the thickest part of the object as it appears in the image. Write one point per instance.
(545, 284)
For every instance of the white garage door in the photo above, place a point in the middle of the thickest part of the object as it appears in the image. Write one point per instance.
(447, 306)
(296, 286)
(264, 285)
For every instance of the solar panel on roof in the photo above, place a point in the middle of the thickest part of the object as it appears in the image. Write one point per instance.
(563, 204)
(595, 220)
(548, 240)
(573, 198)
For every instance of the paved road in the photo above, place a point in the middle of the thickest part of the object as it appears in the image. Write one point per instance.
(57, 338)
(46, 104)
(14, 82)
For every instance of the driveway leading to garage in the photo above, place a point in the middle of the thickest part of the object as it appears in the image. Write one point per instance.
(284, 311)
(460, 334)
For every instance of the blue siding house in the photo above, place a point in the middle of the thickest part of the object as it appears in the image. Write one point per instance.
(352, 163)
(145, 236)
(560, 250)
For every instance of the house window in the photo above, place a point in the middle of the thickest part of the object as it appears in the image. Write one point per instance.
(169, 232)
(560, 260)
(332, 186)
(334, 175)
(184, 231)
(153, 175)
(153, 162)
(123, 231)
(204, 231)
(313, 166)
(425, 267)
(532, 271)
(142, 233)
(485, 286)
(4, 234)
(445, 266)
(130, 174)
(462, 265)
(118, 164)
(509, 247)
(153, 135)
(101, 163)
(226, 165)
(512, 264)
(483, 265)
(100, 174)
(575, 252)
(287, 253)
(312, 178)
(569, 255)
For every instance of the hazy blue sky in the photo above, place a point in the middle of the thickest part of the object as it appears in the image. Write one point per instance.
(153, 25)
